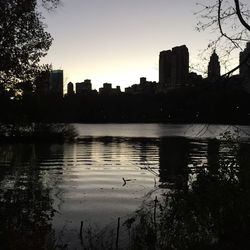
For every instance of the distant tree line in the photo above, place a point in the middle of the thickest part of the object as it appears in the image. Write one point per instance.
(206, 104)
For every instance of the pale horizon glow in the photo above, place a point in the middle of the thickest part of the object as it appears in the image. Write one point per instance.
(119, 41)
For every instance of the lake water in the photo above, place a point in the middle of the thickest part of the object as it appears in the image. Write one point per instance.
(160, 130)
(107, 174)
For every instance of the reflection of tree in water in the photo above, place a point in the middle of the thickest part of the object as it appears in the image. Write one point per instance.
(213, 214)
(173, 160)
(25, 204)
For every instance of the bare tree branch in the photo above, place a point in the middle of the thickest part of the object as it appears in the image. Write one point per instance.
(229, 20)
(219, 19)
(238, 12)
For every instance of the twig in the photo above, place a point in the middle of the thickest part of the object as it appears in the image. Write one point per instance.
(81, 229)
(124, 182)
(117, 234)
(156, 200)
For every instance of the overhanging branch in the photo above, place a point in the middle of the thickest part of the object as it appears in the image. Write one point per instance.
(238, 12)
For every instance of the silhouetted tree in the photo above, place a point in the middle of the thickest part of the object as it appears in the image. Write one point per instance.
(23, 40)
(230, 20)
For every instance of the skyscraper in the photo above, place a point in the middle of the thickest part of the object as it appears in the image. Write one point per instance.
(56, 83)
(174, 67)
(245, 67)
(180, 66)
(165, 68)
(70, 88)
(83, 87)
(213, 68)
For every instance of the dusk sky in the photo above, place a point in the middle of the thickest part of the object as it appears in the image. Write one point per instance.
(119, 41)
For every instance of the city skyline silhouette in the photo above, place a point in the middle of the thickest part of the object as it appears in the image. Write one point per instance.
(174, 72)
(117, 42)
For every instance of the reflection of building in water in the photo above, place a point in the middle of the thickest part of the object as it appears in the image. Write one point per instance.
(213, 155)
(107, 152)
(173, 153)
(79, 154)
(243, 158)
(147, 153)
(143, 152)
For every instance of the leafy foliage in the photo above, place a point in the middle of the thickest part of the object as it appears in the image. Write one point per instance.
(23, 40)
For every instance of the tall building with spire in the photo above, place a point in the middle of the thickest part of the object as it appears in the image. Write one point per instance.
(174, 67)
(245, 64)
(213, 71)
(70, 89)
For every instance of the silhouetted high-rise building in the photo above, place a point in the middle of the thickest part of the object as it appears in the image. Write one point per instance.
(83, 87)
(117, 90)
(42, 83)
(213, 71)
(174, 67)
(165, 63)
(143, 80)
(180, 65)
(144, 87)
(70, 88)
(56, 83)
(245, 67)
(108, 90)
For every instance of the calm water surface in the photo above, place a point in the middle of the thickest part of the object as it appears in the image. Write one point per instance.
(159, 130)
(60, 185)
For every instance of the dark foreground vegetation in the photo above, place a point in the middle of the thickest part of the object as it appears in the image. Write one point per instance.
(212, 214)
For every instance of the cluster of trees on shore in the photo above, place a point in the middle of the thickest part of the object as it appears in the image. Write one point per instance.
(23, 42)
(191, 105)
